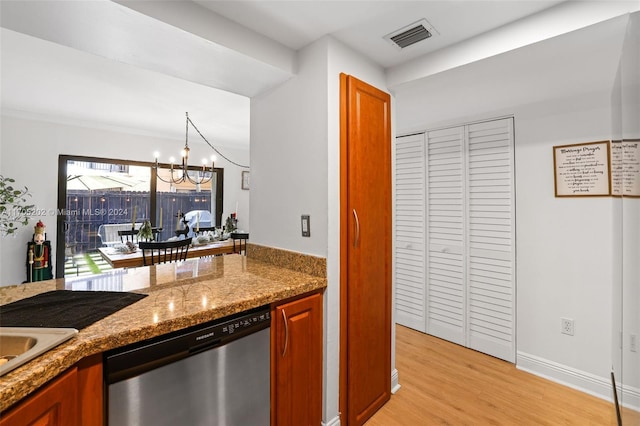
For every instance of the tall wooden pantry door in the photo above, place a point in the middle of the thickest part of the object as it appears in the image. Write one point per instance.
(455, 261)
(365, 329)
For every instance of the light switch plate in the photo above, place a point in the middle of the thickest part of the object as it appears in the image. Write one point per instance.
(306, 225)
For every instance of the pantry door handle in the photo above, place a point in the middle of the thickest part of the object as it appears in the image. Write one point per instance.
(357, 221)
(286, 332)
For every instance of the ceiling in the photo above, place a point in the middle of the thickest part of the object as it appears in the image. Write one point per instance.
(103, 63)
(362, 25)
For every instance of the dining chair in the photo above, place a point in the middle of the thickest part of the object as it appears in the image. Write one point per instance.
(128, 235)
(156, 233)
(163, 252)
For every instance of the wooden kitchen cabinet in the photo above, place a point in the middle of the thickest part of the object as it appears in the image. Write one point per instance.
(365, 250)
(296, 362)
(73, 398)
(56, 404)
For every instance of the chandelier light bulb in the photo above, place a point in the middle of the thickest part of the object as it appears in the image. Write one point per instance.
(204, 161)
(172, 160)
(156, 155)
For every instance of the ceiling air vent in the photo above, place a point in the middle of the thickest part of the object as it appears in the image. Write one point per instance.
(411, 34)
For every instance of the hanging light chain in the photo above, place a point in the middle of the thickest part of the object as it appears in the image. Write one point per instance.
(185, 177)
(213, 147)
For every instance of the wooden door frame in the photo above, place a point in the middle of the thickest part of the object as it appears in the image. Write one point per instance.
(343, 247)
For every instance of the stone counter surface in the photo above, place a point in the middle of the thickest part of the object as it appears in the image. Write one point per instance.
(180, 295)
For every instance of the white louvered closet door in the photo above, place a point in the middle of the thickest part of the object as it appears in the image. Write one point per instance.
(455, 241)
(445, 215)
(409, 232)
(490, 239)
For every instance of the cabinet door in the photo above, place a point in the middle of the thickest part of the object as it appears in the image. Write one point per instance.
(365, 253)
(56, 404)
(297, 362)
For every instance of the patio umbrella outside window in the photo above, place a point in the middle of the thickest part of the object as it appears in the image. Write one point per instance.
(106, 182)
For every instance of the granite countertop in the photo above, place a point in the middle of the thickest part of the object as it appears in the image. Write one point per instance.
(179, 295)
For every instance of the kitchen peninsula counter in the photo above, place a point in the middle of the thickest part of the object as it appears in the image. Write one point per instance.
(180, 295)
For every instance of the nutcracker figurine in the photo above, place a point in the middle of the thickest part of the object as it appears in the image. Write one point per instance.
(38, 255)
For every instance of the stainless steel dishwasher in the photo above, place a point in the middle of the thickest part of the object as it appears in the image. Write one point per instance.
(213, 374)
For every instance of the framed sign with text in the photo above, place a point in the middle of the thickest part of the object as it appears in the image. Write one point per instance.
(582, 170)
(625, 168)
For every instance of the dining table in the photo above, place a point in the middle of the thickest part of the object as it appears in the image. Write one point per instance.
(118, 259)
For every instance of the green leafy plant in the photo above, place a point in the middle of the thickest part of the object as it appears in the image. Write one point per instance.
(14, 210)
(145, 232)
(230, 224)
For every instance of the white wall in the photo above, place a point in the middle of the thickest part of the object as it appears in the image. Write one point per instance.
(295, 147)
(559, 92)
(629, 302)
(289, 157)
(29, 150)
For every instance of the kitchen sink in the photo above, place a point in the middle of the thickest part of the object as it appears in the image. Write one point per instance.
(21, 344)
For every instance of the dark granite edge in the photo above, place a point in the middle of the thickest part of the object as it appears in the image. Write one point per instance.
(299, 262)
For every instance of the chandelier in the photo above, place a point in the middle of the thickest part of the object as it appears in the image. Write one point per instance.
(181, 173)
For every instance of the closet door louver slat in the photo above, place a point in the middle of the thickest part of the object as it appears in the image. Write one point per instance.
(409, 232)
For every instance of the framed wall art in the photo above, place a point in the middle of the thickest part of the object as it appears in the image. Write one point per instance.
(582, 170)
(625, 168)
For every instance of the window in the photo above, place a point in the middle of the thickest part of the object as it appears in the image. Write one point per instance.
(99, 196)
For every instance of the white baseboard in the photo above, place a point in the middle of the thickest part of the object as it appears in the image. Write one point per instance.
(395, 384)
(629, 397)
(577, 379)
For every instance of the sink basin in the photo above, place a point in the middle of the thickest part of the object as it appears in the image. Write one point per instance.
(21, 344)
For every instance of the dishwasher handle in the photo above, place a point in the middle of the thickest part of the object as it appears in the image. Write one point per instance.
(204, 347)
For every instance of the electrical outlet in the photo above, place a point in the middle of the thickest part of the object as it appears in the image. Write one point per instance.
(566, 326)
(633, 343)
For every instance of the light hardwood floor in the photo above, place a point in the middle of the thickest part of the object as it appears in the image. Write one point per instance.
(445, 384)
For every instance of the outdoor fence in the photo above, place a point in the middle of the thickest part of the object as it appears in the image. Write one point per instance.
(87, 210)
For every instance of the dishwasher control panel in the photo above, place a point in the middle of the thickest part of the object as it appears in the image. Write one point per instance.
(142, 356)
(230, 327)
(245, 322)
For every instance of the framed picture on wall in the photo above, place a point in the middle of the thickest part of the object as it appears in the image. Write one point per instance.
(625, 168)
(582, 170)
(245, 180)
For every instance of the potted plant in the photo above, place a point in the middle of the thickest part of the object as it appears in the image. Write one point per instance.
(14, 210)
